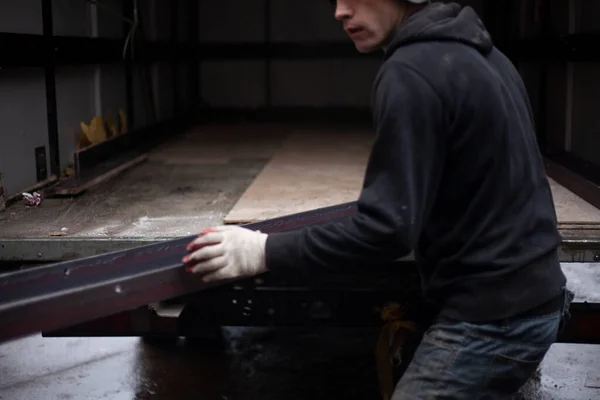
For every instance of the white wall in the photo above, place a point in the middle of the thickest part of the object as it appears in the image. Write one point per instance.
(82, 92)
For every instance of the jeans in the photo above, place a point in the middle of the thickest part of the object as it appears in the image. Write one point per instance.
(471, 361)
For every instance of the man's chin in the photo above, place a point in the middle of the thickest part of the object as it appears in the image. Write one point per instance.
(367, 47)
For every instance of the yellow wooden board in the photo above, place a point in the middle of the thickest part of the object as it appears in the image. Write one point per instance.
(312, 169)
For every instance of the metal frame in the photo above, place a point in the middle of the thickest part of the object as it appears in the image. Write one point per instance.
(81, 50)
(581, 243)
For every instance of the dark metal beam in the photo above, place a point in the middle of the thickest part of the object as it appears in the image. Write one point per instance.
(268, 13)
(174, 27)
(193, 36)
(81, 50)
(47, 51)
(114, 52)
(68, 293)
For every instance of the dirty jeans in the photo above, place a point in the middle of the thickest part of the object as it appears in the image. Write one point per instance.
(472, 361)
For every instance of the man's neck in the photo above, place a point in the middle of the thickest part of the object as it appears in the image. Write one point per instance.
(409, 9)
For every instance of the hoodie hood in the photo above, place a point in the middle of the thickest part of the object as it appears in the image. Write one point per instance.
(442, 22)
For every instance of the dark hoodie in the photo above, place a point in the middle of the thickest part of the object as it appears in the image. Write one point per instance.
(455, 175)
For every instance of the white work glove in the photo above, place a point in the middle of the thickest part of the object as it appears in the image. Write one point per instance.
(227, 252)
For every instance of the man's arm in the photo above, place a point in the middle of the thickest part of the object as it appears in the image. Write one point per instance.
(400, 184)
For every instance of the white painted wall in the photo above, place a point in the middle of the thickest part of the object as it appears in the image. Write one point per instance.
(82, 91)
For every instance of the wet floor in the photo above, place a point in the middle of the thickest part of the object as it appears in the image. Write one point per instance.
(245, 364)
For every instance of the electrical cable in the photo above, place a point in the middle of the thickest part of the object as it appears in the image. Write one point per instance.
(134, 22)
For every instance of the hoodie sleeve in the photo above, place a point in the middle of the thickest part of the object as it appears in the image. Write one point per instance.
(401, 180)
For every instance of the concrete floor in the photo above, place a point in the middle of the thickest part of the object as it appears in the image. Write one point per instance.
(247, 364)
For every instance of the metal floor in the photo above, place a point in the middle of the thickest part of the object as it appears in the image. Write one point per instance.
(248, 364)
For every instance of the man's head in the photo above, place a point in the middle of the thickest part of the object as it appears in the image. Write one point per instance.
(369, 23)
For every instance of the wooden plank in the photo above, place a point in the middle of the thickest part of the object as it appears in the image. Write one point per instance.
(310, 170)
(220, 144)
(313, 170)
(572, 209)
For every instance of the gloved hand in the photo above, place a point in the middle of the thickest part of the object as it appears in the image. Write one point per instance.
(226, 252)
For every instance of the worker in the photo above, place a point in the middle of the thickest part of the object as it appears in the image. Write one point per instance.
(454, 175)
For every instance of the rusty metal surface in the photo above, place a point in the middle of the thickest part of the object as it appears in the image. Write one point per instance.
(67, 293)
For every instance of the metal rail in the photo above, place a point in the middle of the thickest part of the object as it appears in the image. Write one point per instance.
(71, 292)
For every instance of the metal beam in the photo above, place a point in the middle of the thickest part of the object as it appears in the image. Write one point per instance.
(50, 80)
(64, 294)
(69, 50)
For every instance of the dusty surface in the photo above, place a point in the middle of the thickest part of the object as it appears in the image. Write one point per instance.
(311, 170)
(250, 364)
(163, 197)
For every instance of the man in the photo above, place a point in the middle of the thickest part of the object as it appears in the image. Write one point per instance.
(455, 175)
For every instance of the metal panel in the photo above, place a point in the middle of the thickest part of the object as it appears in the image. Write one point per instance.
(233, 83)
(71, 17)
(23, 16)
(112, 90)
(74, 104)
(24, 126)
(585, 116)
(110, 19)
(306, 21)
(231, 21)
(323, 83)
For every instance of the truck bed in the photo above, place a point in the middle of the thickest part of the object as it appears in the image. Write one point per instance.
(196, 179)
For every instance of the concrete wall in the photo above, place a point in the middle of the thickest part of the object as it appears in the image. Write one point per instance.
(82, 91)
